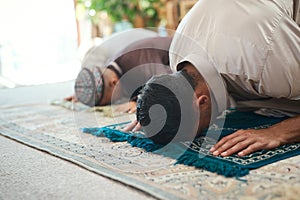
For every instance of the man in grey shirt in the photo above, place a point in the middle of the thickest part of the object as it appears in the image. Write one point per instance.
(125, 74)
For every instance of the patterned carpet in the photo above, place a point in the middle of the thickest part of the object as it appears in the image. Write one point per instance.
(55, 130)
(196, 153)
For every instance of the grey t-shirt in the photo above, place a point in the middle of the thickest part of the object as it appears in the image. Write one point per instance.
(138, 62)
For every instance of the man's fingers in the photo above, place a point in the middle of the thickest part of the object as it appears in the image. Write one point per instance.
(221, 143)
(244, 142)
(133, 126)
(238, 147)
(69, 98)
(130, 126)
(137, 127)
(218, 144)
(230, 147)
(228, 142)
(250, 149)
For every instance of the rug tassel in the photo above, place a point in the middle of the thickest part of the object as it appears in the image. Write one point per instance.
(136, 140)
(212, 165)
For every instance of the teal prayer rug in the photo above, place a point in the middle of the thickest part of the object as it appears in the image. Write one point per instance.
(196, 153)
(55, 130)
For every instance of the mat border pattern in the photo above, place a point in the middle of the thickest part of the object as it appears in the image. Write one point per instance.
(89, 165)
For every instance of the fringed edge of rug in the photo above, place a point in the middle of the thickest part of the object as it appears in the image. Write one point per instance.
(136, 140)
(212, 164)
(187, 158)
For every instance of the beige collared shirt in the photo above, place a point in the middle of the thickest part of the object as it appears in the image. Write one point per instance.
(254, 46)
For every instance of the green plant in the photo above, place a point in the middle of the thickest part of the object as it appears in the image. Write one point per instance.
(118, 10)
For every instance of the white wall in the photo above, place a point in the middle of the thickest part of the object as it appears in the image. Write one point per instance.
(38, 41)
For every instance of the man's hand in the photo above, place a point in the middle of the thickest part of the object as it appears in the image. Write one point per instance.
(133, 126)
(128, 107)
(71, 98)
(245, 142)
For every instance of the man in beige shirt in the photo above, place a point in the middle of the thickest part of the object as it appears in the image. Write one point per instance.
(244, 50)
(296, 15)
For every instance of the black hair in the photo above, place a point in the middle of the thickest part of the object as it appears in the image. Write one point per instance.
(161, 90)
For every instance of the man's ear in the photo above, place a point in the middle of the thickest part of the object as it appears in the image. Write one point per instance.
(202, 100)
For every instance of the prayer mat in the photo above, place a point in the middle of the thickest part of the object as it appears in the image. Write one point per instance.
(57, 131)
(196, 153)
(106, 110)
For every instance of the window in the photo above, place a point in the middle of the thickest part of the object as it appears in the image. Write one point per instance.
(38, 41)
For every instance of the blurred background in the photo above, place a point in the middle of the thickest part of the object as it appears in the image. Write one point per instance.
(44, 41)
